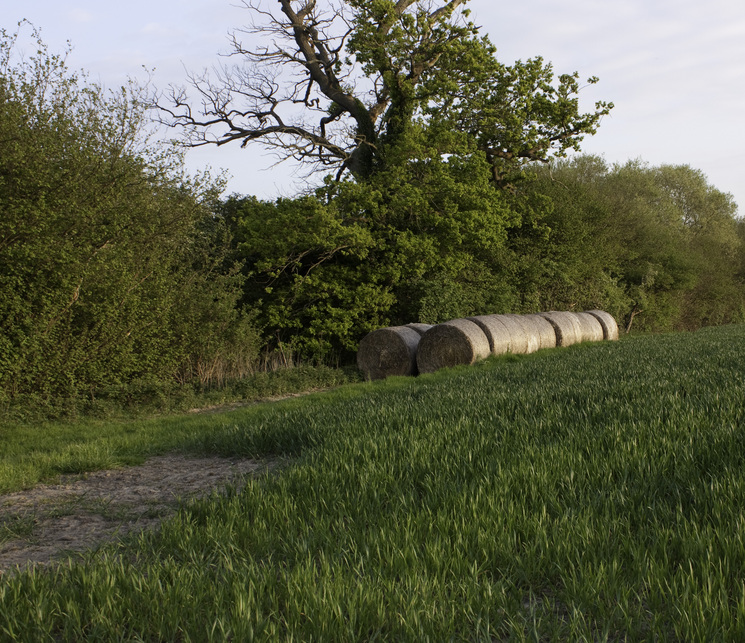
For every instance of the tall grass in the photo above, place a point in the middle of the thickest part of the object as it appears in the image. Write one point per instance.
(36, 452)
(276, 374)
(588, 493)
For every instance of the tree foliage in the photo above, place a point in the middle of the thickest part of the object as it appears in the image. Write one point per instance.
(419, 243)
(657, 246)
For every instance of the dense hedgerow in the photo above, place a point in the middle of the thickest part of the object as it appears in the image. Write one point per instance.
(112, 268)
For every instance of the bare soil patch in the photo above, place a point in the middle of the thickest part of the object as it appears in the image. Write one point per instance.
(47, 522)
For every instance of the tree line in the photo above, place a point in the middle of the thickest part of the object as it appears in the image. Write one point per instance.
(446, 191)
(658, 247)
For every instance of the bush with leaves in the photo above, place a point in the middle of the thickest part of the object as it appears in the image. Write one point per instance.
(421, 243)
(105, 273)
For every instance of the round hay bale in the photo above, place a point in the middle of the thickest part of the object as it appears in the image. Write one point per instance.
(592, 331)
(453, 343)
(610, 327)
(419, 328)
(496, 332)
(531, 331)
(566, 325)
(519, 340)
(388, 351)
(546, 332)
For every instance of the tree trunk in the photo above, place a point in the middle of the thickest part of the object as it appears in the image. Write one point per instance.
(630, 317)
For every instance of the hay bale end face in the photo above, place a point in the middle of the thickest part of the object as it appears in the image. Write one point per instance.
(610, 327)
(388, 351)
(453, 343)
(592, 331)
(546, 332)
(496, 332)
(566, 326)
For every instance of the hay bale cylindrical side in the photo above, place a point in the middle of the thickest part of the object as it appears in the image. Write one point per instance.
(519, 340)
(496, 332)
(453, 343)
(419, 328)
(610, 327)
(546, 332)
(566, 325)
(592, 331)
(388, 351)
(532, 332)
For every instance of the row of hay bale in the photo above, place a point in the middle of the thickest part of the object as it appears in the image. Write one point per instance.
(420, 348)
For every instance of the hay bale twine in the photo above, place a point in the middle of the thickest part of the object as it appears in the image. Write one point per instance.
(545, 330)
(592, 331)
(610, 327)
(419, 328)
(566, 326)
(519, 340)
(496, 332)
(453, 343)
(388, 351)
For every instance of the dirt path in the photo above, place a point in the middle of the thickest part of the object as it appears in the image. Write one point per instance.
(49, 521)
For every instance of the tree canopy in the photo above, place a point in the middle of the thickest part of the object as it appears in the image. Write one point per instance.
(359, 86)
(659, 247)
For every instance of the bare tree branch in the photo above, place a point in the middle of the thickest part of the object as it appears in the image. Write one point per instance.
(297, 68)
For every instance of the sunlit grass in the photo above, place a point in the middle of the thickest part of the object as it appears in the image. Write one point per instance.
(589, 493)
(33, 453)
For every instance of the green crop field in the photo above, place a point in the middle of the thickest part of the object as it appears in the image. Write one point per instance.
(589, 493)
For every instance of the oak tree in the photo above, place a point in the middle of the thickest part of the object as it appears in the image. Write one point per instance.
(418, 128)
(342, 85)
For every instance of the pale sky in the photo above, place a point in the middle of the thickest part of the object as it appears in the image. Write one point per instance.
(675, 69)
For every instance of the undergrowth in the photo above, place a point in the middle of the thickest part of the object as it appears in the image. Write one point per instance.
(142, 398)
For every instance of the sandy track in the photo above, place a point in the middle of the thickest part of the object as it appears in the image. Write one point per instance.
(50, 521)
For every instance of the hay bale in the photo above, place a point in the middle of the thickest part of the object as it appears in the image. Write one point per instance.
(610, 328)
(566, 326)
(532, 332)
(496, 332)
(592, 331)
(519, 340)
(453, 343)
(388, 351)
(546, 332)
(419, 328)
